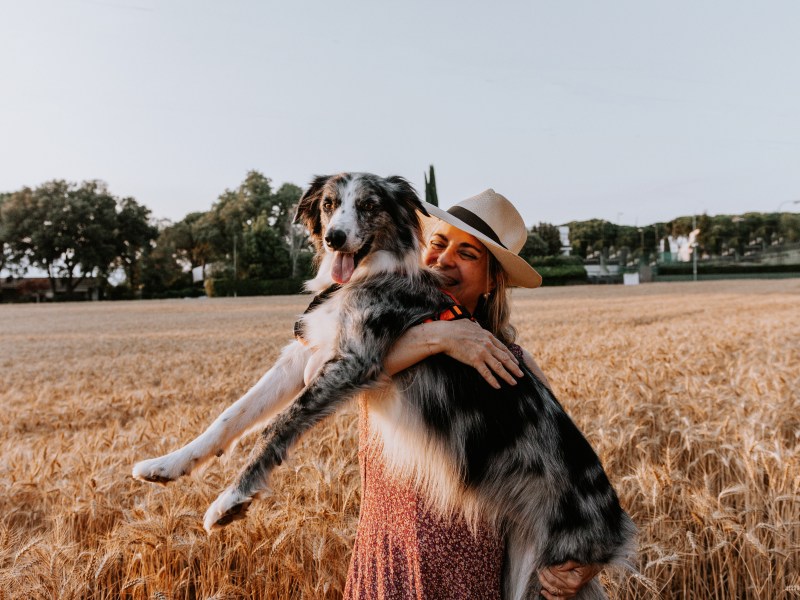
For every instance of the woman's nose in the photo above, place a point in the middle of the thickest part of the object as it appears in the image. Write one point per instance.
(445, 258)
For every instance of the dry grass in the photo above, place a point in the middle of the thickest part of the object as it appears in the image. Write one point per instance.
(688, 391)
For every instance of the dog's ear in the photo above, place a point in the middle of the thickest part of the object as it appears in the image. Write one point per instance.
(406, 193)
(308, 207)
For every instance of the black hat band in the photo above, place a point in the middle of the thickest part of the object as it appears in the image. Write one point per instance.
(474, 221)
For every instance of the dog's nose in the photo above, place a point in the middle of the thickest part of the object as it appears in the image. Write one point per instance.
(335, 238)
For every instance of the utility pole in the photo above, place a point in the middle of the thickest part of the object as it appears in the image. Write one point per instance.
(658, 244)
(694, 249)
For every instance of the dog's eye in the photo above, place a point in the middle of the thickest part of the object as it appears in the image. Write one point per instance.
(327, 205)
(367, 205)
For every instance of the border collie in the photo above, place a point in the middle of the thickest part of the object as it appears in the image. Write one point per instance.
(510, 457)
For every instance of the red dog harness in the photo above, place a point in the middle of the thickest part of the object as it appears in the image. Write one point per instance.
(451, 313)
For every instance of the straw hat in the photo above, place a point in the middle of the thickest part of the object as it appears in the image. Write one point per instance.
(492, 219)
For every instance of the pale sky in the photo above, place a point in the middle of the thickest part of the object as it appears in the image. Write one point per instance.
(628, 111)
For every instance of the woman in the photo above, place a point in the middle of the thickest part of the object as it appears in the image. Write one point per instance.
(402, 549)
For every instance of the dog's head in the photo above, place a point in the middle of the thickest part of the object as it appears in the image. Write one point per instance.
(353, 217)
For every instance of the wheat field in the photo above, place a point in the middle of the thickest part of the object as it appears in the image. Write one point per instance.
(689, 392)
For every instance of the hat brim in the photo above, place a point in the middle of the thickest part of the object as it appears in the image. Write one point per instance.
(520, 272)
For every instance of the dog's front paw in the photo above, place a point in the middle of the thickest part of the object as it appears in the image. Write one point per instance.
(230, 506)
(162, 469)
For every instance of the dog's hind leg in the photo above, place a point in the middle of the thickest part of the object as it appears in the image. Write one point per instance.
(264, 400)
(338, 381)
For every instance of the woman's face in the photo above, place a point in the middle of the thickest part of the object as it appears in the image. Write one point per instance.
(462, 259)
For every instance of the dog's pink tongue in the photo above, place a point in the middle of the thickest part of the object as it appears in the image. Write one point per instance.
(343, 267)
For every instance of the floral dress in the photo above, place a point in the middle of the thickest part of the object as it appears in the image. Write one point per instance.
(405, 551)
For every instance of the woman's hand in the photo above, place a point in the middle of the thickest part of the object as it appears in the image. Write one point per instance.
(471, 344)
(566, 580)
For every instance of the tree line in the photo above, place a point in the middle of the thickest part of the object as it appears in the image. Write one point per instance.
(720, 235)
(247, 234)
(72, 231)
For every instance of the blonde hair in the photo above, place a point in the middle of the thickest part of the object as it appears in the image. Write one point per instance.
(494, 311)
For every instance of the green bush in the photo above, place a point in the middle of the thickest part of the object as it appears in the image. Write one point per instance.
(732, 269)
(118, 292)
(254, 287)
(562, 275)
(554, 261)
(559, 270)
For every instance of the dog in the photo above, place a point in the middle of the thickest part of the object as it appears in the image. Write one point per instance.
(511, 457)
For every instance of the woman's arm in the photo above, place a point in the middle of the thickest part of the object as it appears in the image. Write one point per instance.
(463, 340)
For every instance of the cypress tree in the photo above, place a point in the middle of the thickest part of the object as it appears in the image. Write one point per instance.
(430, 188)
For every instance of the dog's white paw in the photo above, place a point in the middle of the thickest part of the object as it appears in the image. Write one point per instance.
(230, 506)
(162, 469)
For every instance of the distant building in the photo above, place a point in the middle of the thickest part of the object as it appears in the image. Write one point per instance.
(678, 247)
(37, 289)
